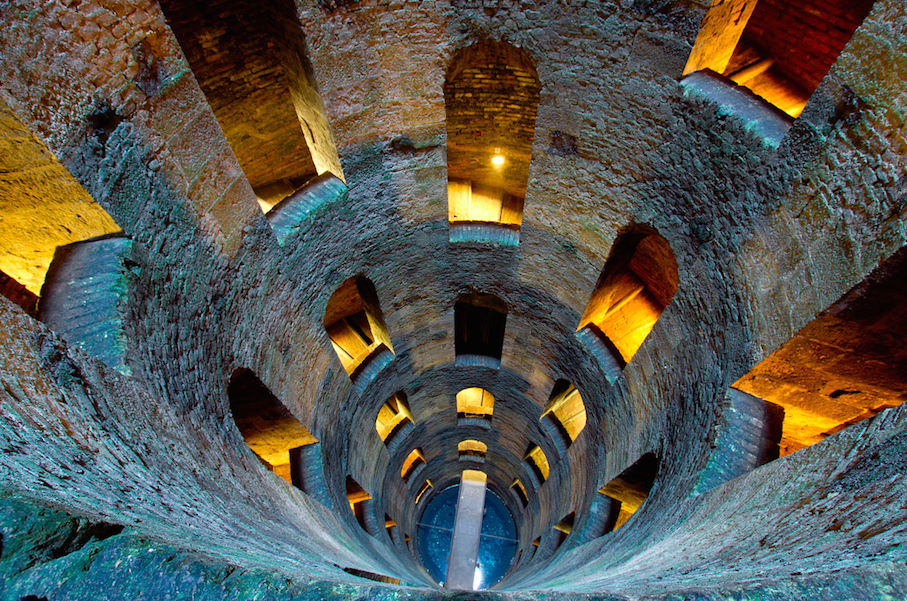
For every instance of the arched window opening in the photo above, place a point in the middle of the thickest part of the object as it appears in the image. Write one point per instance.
(394, 420)
(354, 323)
(779, 50)
(479, 322)
(413, 464)
(527, 553)
(632, 486)
(637, 283)
(563, 529)
(426, 486)
(472, 450)
(393, 532)
(565, 415)
(43, 207)
(531, 550)
(565, 526)
(537, 464)
(262, 93)
(475, 406)
(520, 491)
(361, 504)
(821, 386)
(491, 94)
(390, 526)
(270, 430)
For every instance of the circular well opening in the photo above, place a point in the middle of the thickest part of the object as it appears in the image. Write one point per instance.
(497, 544)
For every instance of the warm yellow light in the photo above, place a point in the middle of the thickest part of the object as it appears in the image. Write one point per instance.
(497, 159)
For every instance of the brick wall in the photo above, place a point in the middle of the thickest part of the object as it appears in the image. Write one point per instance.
(18, 293)
(230, 46)
(290, 46)
(805, 36)
(761, 236)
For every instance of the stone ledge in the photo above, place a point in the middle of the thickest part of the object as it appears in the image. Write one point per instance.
(758, 116)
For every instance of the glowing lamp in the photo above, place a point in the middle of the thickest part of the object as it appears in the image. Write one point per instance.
(497, 159)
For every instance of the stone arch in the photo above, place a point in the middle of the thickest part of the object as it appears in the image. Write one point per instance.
(394, 420)
(270, 430)
(537, 465)
(472, 450)
(475, 406)
(632, 486)
(413, 464)
(362, 505)
(814, 385)
(491, 94)
(638, 281)
(355, 325)
(423, 489)
(519, 490)
(564, 416)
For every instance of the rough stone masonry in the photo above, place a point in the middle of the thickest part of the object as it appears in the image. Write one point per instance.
(142, 485)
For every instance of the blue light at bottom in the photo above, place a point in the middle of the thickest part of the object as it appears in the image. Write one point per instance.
(497, 544)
